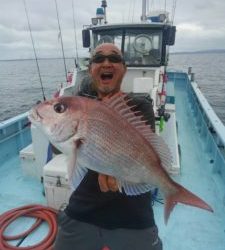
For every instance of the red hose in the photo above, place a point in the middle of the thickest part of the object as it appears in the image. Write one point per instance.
(41, 213)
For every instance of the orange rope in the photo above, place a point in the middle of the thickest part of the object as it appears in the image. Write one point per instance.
(41, 213)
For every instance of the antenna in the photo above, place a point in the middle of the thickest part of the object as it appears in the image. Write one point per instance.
(35, 55)
(173, 10)
(143, 16)
(104, 5)
(60, 35)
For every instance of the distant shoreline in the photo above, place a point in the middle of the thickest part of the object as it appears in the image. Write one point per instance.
(29, 59)
(172, 53)
(199, 51)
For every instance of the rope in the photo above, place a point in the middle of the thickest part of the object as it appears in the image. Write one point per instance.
(41, 213)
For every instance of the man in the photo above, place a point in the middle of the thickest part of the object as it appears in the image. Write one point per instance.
(98, 216)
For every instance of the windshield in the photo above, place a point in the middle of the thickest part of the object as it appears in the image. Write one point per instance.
(141, 47)
(108, 36)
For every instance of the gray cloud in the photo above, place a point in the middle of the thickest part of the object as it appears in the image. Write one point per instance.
(200, 24)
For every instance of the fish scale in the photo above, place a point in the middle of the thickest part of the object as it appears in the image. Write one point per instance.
(124, 147)
(101, 148)
(117, 140)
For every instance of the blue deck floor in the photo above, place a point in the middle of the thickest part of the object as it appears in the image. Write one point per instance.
(188, 228)
(17, 189)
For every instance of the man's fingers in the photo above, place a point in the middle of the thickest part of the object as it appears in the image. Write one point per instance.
(102, 180)
(107, 183)
(112, 183)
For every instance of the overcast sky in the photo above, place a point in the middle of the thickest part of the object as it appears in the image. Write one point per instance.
(200, 24)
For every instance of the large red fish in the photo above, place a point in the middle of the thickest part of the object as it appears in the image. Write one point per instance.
(107, 137)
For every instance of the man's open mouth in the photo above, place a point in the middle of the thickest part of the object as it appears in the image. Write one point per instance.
(107, 76)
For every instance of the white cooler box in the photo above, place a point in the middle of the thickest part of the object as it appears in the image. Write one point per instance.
(28, 161)
(57, 189)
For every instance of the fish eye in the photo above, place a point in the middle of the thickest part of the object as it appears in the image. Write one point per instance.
(59, 107)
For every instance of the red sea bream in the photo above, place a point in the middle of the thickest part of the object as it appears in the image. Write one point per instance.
(107, 137)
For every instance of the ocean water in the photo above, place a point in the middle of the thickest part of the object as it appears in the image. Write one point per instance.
(21, 88)
(20, 85)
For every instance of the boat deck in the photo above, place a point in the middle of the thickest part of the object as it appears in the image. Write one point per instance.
(17, 189)
(187, 228)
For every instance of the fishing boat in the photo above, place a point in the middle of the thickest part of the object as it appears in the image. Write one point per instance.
(32, 179)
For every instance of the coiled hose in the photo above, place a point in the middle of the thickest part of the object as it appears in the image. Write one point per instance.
(41, 213)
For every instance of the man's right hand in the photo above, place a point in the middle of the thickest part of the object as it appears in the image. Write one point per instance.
(107, 183)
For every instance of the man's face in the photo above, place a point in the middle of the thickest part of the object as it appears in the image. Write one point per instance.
(107, 74)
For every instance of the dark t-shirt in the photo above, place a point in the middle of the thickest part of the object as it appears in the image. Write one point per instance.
(113, 210)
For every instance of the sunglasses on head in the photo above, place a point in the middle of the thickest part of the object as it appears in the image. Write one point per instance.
(113, 58)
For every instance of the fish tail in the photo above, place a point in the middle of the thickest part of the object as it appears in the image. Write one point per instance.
(184, 196)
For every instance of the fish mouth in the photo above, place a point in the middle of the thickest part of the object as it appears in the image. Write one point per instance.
(34, 116)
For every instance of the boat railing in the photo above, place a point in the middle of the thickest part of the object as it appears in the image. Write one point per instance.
(214, 122)
(13, 126)
(210, 128)
(14, 135)
(212, 133)
(8, 122)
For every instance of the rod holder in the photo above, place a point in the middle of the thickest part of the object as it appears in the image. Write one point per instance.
(189, 70)
(192, 77)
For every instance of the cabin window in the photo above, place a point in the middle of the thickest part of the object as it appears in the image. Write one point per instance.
(108, 36)
(142, 48)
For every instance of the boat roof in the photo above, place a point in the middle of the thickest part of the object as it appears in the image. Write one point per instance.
(128, 26)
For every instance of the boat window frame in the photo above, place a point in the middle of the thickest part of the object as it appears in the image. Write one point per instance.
(123, 32)
(95, 32)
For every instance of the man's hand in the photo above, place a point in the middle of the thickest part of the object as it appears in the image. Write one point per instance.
(107, 183)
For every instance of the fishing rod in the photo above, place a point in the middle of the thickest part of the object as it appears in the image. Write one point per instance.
(35, 54)
(60, 35)
(75, 36)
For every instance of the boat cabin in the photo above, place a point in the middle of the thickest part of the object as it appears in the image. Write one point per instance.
(142, 44)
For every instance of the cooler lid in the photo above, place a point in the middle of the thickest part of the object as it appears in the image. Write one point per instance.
(57, 167)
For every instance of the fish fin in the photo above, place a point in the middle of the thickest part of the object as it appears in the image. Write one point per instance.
(182, 195)
(134, 189)
(119, 102)
(78, 175)
(71, 165)
(75, 171)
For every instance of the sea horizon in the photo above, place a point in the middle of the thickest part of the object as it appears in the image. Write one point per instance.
(21, 87)
(71, 57)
